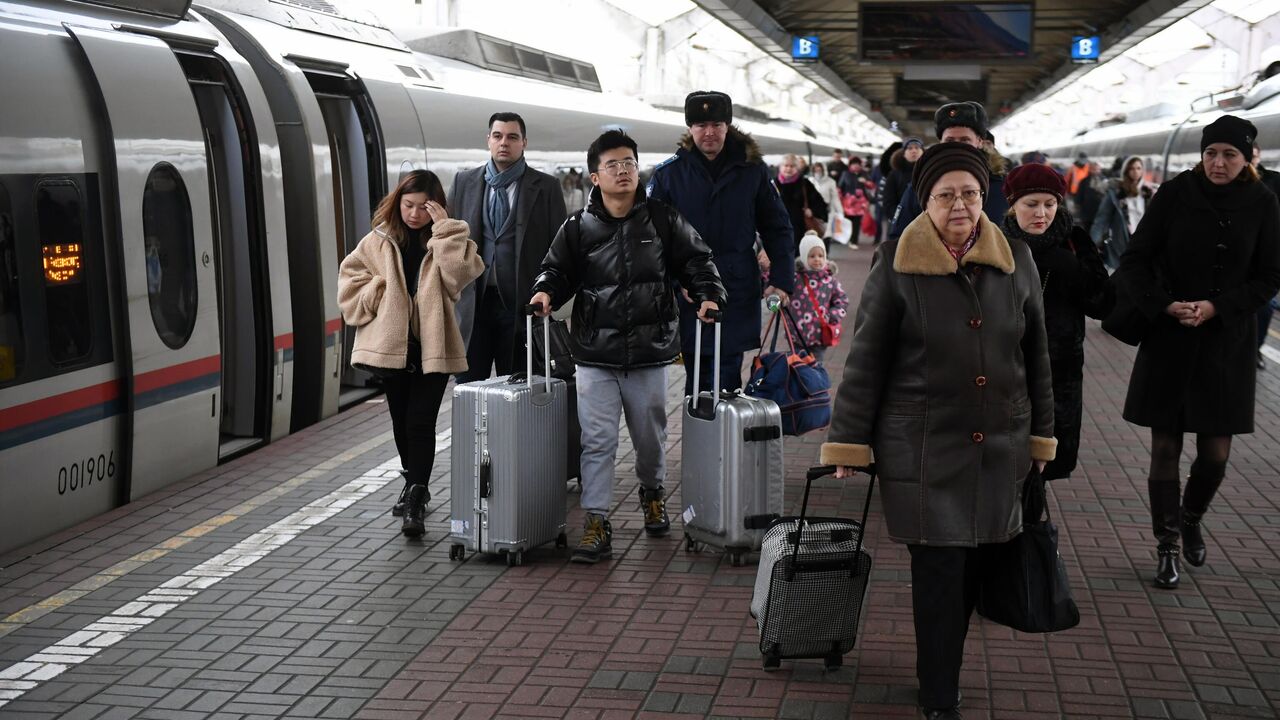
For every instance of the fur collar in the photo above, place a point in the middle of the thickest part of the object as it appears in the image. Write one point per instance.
(996, 163)
(920, 250)
(747, 142)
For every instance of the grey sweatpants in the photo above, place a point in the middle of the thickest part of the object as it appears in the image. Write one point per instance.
(603, 396)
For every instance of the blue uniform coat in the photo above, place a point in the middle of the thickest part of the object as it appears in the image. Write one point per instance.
(728, 212)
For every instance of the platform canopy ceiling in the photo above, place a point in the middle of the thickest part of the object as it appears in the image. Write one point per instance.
(898, 61)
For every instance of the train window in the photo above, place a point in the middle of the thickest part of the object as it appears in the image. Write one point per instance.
(12, 346)
(499, 53)
(59, 217)
(533, 61)
(171, 255)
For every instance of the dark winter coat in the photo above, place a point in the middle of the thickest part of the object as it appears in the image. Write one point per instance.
(728, 212)
(1074, 284)
(947, 380)
(993, 205)
(619, 272)
(1271, 179)
(793, 196)
(896, 183)
(1201, 242)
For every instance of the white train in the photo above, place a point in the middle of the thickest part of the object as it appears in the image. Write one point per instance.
(1170, 144)
(178, 183)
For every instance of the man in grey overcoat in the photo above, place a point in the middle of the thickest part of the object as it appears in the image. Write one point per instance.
(514, 211)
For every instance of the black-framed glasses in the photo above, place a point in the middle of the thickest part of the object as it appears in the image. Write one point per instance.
(619, 166)
(948, 198)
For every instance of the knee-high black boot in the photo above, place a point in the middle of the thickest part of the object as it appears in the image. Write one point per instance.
(1165, 522)
(415, 512)
(1202, 485)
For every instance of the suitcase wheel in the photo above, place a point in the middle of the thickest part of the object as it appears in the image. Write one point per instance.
(515, 558)
(562, 541)
(772, 662)
(457, 552)
(691, 545)
(833, 662)
(737, 558)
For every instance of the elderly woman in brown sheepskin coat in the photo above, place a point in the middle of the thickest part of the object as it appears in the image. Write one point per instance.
(947, 389)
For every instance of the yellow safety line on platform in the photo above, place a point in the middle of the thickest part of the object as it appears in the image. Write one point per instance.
(124, 567)
(1273, 333)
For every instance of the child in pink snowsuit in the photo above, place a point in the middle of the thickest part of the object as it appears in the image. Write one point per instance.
(818, 297)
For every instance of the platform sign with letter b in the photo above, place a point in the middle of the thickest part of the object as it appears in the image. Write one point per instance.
(1085, 50)
(804, 48)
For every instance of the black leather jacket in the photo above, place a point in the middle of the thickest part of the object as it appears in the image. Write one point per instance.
(622, 272)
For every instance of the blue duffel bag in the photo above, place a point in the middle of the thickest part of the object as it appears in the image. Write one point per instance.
(793, 379)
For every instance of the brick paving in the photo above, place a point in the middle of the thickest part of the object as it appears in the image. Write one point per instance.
(348, 620)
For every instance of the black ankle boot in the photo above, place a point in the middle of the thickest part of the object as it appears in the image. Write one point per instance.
(1166, 520)
(397, 510)
(1202, 485)
(1193, 548)
(415, 512)
(1167, 567)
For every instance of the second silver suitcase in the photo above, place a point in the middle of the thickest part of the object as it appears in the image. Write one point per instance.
(507, 466)
(731, 464)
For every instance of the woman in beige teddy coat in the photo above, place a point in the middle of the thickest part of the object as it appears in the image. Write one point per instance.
(398, 289)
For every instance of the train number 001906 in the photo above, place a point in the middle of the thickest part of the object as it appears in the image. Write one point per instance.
(83, 473)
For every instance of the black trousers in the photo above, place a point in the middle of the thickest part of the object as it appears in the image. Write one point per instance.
(493, 340)
(944, 590)
(414, 400)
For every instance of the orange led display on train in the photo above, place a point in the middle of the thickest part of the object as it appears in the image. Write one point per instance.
(61, 263)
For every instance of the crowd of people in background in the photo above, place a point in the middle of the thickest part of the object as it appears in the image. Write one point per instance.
(969, 334)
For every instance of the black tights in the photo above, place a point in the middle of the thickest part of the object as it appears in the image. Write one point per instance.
(1212, 452)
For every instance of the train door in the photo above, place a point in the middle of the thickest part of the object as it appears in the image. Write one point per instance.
(359, 182)
(240, 258)
(172, 371)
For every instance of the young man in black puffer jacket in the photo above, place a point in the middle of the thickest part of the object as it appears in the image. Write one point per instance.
(618, 258)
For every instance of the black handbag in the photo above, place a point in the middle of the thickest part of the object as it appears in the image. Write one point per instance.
(562, 366)
(1126, 322)
(1025, 585)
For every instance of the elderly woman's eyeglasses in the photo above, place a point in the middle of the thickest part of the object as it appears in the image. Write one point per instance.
(947, 198)
(619, 166)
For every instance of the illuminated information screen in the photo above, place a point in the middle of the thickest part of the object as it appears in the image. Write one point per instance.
(62, 263)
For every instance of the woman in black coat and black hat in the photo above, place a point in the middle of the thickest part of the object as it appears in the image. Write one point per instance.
(1073, 281)
(1204, 258)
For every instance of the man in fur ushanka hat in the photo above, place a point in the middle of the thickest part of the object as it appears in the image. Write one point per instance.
(720, 184)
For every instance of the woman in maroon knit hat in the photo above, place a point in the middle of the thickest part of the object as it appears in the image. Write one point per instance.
(1074, 282)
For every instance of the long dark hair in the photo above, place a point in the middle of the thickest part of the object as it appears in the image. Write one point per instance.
(1128, 187)
(387, 216)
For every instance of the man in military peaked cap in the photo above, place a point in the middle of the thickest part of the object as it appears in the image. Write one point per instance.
(719, 182)
(963, 122)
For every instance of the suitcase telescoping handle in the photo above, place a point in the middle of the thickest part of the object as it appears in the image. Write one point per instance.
(695, 402)
(529, 312)
(821, 471)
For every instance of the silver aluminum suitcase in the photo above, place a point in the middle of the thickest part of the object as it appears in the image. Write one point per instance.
(731, 464)
(506, 470)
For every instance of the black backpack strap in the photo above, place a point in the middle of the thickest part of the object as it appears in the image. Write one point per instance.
(658, 215)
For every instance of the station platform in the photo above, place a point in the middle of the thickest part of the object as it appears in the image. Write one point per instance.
(278, 586)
